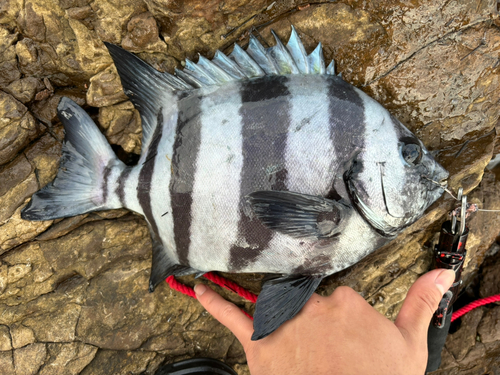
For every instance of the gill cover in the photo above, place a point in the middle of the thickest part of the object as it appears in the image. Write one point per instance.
(385, 181)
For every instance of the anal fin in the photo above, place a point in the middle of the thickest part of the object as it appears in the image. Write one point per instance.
(163, 267)
(280, 300)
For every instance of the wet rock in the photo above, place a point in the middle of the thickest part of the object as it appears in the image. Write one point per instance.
(45, 109)
(29, 359)
(58, 46)
(69, 358)
(489, 329)
(459, 343)
(17, 127)
(105, 89)
(16, 231)
(241, 369)
(21, 336)
(112, 17)
(6, 363)
(44, 156)
(10, 201)
(5, 341)
(142, 35)
(122, 124)
(187, 26)
(25, 89)
(14, 173)
(491, 276)
(8, 63)
(119, 362)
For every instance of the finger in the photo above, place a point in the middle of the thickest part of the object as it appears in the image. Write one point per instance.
(225, 312)
(421, 302)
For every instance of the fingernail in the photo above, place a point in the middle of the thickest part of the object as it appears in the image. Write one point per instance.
(444, 280)
(199, 289)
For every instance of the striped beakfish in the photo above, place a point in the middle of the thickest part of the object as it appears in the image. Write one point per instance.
(260, 161)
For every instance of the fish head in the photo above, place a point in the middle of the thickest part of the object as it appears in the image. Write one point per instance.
(393, 178)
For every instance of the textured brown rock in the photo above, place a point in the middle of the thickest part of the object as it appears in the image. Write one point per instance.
(17, 127)
(142, 35)
(29, 359)
(24, 89)
(8, 64)
(73, 292)
(122, 124)
(489, 330)
(460, 343)
(105, 88)
(69, 358)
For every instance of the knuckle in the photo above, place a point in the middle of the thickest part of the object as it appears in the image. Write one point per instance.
(227, 310)
(344, 293)
(427, 302)
(208, 301)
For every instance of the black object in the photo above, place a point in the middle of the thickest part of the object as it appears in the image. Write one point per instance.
(436, 338)
(449, 253)
(280, 300)
(196, 366)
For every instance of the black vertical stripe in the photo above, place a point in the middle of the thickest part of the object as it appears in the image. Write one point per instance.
(265, 113)
(347, 128)
(185, 151)
(122, 180)
(146, 174)
(105, 178)
(347, 118)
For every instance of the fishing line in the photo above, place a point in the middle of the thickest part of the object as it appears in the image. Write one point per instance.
(441, 185)
(453, 196)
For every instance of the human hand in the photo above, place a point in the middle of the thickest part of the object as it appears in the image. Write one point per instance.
(339, 334)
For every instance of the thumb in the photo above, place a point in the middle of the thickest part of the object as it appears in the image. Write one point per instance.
(421, 302)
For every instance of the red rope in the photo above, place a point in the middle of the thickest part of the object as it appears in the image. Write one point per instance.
(184, 289)
(229, 285)
(242, 292)
(216, 279)
(471, 306)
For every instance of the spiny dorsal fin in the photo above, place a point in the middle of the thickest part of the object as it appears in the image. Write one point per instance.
(256, 61)
(147, 88)
(246, 63)
(298, 52)
(283, 59)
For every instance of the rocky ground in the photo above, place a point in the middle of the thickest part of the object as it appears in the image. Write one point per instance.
(73, 292)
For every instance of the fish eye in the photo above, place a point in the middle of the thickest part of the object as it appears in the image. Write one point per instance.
(412, 153)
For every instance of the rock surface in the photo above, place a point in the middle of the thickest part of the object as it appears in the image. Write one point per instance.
(73, 292)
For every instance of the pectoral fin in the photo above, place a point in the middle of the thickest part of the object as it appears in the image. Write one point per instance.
(298, 215)
(280, 300)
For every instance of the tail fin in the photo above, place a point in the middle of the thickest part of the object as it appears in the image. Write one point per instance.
(87, 163)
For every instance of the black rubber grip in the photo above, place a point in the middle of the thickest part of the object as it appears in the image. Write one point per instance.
(436, 338)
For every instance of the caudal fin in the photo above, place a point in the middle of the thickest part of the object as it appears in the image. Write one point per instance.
(87, 163)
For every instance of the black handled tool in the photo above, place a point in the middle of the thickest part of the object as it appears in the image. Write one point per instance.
(449, 253)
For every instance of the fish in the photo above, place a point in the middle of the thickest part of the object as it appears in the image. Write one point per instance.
(260, 161)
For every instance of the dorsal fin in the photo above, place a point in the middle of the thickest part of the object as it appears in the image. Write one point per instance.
(282, 57)
(256, 61)
(145, 86)
(298, 52)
